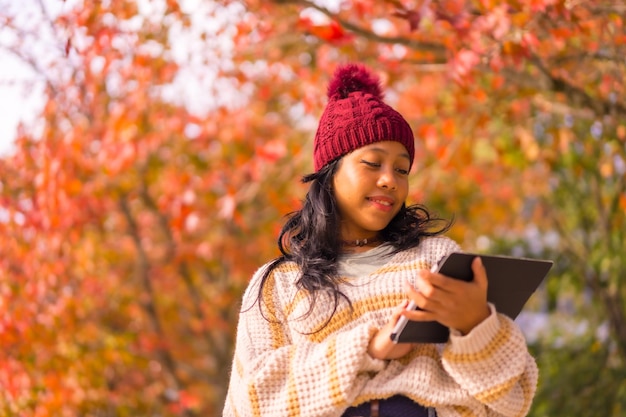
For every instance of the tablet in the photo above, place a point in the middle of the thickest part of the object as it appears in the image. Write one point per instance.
(512, 281)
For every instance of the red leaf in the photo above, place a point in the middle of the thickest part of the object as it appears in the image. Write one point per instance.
(332, 32)
(272, 150)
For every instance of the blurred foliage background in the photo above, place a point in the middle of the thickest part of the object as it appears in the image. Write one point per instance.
(168, 139)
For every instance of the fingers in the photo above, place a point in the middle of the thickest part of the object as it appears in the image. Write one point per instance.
(480, 274)
(397, 312)
(452, 302)
(431, 286)
(381, 346)
(425, 299)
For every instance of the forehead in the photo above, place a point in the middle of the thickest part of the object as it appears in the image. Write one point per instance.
(391, 148)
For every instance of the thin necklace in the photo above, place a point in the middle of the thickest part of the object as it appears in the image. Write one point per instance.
(361, 242)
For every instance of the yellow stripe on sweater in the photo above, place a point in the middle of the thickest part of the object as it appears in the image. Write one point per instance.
(238, 367)
(421, 350)
(291, 267)
(503, 335)
(293, 404)
(254, 401)
(290, 307)
(275, 323)
(464, 411)
(410, 266)
(528, 390)
(495, 393)
(345, 315)
(334, 384)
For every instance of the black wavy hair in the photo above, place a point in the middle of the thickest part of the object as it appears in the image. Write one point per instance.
(310, 237)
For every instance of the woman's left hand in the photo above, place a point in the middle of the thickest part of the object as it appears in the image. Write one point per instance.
(452, 302)
(381, 346)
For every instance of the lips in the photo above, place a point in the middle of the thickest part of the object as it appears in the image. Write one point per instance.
(382, 202)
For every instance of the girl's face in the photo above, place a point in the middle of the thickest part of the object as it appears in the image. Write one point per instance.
(370, 186)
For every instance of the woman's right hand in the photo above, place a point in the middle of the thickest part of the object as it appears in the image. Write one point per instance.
(381, 346)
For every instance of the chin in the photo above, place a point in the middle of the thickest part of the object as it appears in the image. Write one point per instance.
(377, 228)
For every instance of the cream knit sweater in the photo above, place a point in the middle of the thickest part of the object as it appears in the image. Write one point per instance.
(313, 366)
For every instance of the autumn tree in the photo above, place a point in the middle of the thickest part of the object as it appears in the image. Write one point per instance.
(130, 225)
(172, 140)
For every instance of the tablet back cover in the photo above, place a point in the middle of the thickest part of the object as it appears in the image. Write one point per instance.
(511, 283)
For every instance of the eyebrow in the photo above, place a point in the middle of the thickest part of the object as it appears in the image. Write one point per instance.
(381, 150)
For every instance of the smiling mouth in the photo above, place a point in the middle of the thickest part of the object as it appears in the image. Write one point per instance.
(386, 203)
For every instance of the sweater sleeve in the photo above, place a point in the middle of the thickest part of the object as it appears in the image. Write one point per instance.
(493, 365)
(273, 376)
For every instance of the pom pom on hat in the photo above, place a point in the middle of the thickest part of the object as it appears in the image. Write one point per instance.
(351, 78)
(356, 116)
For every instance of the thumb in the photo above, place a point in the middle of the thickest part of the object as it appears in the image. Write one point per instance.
(480, 274)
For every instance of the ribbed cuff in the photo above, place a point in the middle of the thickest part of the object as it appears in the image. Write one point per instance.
(476, 339)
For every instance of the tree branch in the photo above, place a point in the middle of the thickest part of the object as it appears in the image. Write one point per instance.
(615, 57)
(149, 305)
(577, 95)
(435, 48)
(214, 340)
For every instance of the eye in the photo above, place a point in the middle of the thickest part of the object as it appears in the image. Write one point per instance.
(370, 164)
(402, 171)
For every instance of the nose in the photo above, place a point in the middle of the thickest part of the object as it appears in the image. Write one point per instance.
(387, 180)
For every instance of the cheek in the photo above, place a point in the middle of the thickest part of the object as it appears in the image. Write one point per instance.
(404, 188)
(346, 181)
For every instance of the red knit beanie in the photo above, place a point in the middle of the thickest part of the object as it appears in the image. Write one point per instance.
(356, 116)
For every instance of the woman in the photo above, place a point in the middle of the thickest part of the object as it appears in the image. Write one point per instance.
(313, 337)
